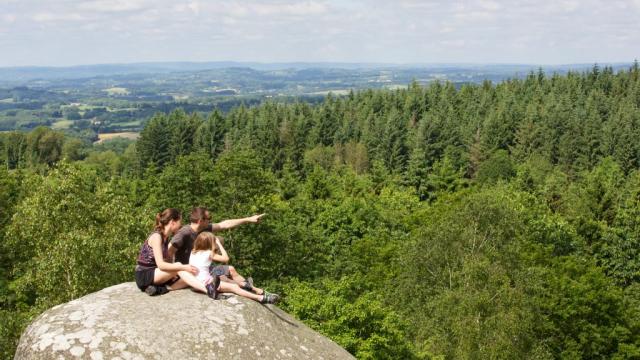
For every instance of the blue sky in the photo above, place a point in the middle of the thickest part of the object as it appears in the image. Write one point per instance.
(72, 32)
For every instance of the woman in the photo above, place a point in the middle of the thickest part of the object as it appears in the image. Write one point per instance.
(154, 275)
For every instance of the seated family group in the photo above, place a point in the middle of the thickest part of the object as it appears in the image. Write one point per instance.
(175, 257)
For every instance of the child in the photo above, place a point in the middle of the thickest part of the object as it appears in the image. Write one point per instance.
(208, 248)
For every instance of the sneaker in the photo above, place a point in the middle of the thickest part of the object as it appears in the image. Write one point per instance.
(269, 298)
(154, 290)
(212, 288)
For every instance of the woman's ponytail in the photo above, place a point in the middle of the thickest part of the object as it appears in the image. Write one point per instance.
(163, 218)
(158, 226)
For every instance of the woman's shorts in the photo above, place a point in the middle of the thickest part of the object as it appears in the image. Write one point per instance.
(220, 270)
(144, 278)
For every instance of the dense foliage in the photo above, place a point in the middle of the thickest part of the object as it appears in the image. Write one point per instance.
(490, 221)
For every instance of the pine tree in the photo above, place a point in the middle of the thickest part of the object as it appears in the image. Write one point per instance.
(153, 146)
(209, 136)
(183, 130)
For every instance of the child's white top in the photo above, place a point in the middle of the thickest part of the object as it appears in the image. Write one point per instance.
(201, 260)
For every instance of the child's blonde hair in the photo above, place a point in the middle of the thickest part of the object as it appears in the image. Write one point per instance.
(205, 241)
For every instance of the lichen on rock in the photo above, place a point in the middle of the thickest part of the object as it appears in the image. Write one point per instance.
(122, 322)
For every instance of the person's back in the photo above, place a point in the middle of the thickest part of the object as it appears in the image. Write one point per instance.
(201, 260)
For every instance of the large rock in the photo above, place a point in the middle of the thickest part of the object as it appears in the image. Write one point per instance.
(122, 322)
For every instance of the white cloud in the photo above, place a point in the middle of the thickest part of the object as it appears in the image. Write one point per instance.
(419, 4)
(228, 20)
(561, 7)
(538, 31)
(254, 37)
(277, 10)
(306, 8)
(194, 6)
(453, 43)
(9, 18)
(112, 6)
(490, 5)
(446, 29)
(145, 17)
(235, 10)
(475, 16)
(48, 17)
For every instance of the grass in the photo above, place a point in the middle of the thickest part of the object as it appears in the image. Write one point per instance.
(109, 109)
(395, 87)
(129, 123)
(337, 92)
(85, 107)
(117, 91)
(108, 136)
(80, 107)
(62, 124)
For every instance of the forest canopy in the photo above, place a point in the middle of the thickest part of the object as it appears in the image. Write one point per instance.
(485, 221)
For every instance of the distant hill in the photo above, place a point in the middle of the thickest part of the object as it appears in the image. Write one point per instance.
(19, 75)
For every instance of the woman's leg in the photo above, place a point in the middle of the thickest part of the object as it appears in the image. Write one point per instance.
(187, 279)
(235, 289)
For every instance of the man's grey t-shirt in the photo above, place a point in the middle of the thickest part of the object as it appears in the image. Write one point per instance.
(183, 242)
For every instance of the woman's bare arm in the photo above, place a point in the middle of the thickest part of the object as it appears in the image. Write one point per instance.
(155, 241)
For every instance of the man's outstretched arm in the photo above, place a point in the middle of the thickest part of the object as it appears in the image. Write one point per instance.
(231, 223)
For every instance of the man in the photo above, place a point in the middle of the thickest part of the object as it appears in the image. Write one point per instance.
(182, 242)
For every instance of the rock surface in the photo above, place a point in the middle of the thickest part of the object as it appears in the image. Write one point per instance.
(121, 322)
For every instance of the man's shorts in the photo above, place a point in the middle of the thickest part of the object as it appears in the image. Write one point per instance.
(220, 270)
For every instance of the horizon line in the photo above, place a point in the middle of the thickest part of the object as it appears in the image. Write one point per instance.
(349, 63)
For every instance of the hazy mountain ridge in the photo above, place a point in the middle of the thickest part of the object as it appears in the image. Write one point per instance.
(28, 73)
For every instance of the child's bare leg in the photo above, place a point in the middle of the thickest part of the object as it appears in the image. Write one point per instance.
(235, 289)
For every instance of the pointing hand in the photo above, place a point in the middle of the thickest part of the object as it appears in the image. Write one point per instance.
(256, 218)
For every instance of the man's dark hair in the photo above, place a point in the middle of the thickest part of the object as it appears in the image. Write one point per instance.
(199, 213)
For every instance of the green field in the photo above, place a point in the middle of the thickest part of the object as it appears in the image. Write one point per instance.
(125, 135)
(62, 124)
(117, 91)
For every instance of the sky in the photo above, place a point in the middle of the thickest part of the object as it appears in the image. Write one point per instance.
(75, 32)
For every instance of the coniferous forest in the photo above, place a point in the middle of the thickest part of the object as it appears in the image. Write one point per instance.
(440, 222)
